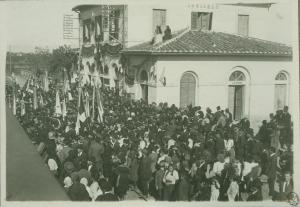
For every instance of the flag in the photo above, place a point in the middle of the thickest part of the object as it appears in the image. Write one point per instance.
(46, 82)
(87, 104)
(70, 98)
(35, 104)
(41, 101)
(81, 111)
(28, 84)
(14, 105)
(93, 105)
(22, 108)
(77, 127)
(57, 105)
(64, 108)
(66, 81)
(99, 106)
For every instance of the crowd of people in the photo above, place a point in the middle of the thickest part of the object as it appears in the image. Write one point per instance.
(162, 151)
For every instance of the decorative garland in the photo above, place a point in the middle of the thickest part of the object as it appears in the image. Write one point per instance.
(111, 49)
(88, 51)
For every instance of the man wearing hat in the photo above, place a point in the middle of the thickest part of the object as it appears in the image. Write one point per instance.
(96, 150)
(159, 175)
(107, 193)
(50, 144)
(77, 191)
(145, 172)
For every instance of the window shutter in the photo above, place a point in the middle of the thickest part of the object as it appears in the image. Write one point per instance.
(159, 19)
(231, 99)
(239, 99)
(210, 21)
(194, 17)
(163, 20)
(243, 25)
(205, 21)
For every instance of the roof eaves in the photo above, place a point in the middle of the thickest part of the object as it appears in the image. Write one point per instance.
(217, 53)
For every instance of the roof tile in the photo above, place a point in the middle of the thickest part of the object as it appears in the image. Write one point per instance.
(212, 43)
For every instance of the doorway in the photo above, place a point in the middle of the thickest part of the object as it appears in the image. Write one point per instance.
(236, 101)
(236, 95)
(187, 90)
(144, 85)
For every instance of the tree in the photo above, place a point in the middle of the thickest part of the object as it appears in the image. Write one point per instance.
(62, 58)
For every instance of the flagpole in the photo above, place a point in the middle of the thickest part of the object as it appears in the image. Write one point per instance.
(93, 104)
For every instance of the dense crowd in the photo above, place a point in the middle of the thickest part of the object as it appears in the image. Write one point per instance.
(169, 153)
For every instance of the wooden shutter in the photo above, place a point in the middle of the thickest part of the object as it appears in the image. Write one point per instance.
(210, 20)
(159, 19)
(239, 102)
(243, 25)
(231, 99)
(194, 20)
(280, 96)
(163, 16)
(201, 20)
(205, 21)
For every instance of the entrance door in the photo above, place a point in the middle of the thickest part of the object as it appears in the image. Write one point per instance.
(144, 86)
(187, 90)
(144, 92)
(236, 101)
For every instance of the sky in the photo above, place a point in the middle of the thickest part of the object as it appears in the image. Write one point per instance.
(37, 23)
(40, 23)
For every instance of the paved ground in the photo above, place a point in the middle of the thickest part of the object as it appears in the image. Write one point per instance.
(27, 177)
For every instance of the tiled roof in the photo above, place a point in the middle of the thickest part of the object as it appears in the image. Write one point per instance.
(211, 43)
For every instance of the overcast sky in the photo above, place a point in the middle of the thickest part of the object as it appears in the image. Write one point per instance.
(36, 23)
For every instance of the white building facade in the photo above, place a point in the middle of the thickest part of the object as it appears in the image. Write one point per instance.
(217, 55)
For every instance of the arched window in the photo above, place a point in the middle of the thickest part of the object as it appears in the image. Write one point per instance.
(237, 76)
(281, 86)
(187, 90)
(236, 94)
(281, 77)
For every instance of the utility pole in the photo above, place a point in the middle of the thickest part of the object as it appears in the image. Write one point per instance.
(10, 59)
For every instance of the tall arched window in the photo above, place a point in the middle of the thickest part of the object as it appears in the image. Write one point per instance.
(281, 83)
(236, 94)
(187, 89)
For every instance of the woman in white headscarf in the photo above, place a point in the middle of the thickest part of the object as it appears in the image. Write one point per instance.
(68, 183)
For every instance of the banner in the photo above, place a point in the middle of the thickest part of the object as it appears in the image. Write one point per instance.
(57, 105)
(35, 103)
